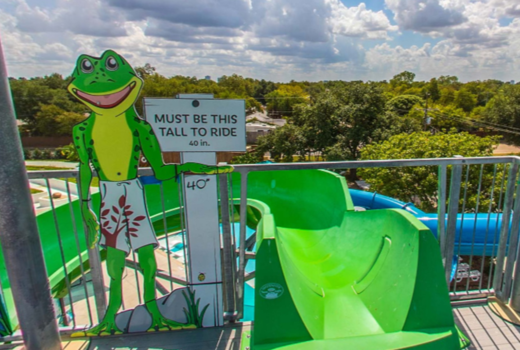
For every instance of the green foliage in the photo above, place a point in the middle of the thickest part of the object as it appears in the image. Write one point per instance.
(37, 154)
(283, 143)
(319, 109)
(419, 184)
(465, 100)
(504, 109)
(192, 312)
(285, 98)
(434, 93)
(402, 104)
(30, 95)
(248, 158)
(69, 152)
(54, 121)
(403, 78)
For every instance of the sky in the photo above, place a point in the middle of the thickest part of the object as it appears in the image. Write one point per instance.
(277, 40)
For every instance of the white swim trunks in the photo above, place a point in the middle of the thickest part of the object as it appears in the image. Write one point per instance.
(123, 217)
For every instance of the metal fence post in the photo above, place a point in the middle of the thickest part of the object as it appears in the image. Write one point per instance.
(242, 244)
(513, 246)
(504, 232)
(227, 252)
(453, 209)
(19, 235)
(441, 208)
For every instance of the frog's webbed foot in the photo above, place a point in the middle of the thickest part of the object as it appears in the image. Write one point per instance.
(160, 323)
(106, 327)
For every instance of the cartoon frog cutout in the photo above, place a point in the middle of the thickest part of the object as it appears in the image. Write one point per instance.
(112, 139)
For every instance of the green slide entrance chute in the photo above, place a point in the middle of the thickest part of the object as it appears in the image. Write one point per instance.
(328, 277)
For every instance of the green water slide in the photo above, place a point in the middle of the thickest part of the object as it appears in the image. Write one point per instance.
(328, 277)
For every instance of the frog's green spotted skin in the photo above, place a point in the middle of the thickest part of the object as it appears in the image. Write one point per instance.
(112, 139)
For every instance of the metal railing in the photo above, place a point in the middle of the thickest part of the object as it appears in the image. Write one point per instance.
(484, 268)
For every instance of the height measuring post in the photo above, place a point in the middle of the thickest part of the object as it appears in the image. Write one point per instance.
(198, 126)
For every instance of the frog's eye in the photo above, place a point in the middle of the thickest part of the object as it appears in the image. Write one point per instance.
(86, 66)
(111, 63)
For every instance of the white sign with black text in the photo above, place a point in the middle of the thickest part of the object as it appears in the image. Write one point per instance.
(197, 125)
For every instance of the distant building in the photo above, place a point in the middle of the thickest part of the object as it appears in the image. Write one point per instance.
(260, 117)
(258, 124)
(207, 77)
(256, 129)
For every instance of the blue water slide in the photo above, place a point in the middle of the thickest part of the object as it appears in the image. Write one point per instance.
(477, 233)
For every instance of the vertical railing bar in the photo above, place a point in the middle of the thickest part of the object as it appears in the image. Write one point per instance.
(233, 237)
(490, 209)
(165, 225)
(441, 207)
(500, 198)
(513, 244)
(62, 254)
(462, 222)
(95, 266)
(182, 216)
(78, 248)
(242, 244)
(232, 212)
(453, 208)
(229, 298)
(123, 308)
(136, 272)
(504, 231)
(477, 205)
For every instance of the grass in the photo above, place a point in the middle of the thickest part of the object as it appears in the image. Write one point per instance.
(43, 167)
(95, 180)
(94, 183)
(193, 316)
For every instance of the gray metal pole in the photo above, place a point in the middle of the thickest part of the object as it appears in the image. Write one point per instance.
(441, 209)
(230, 313)
(504, 233)
(19, 235)
(451, 227)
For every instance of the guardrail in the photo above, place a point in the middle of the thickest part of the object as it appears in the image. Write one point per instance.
(488, 269)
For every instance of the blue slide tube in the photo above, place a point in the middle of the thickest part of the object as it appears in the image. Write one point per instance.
(477, 234)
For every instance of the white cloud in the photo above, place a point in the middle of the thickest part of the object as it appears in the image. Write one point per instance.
(426, 15)
(358, 21)
(86, 17)
(272, 39)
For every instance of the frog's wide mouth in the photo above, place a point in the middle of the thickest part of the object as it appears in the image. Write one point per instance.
(107, 100)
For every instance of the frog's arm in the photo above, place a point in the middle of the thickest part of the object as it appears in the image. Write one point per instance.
(85, 178)
(152, 151)
(85, 173)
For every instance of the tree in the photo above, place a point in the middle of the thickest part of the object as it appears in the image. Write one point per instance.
(465, 100)
(504, 109)
(283, 99)
(54, 121)
(419, 184)
(447, 96)
(283, 143)
(402, 78)
(433, 90)
(361, 118)
(402, 104)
